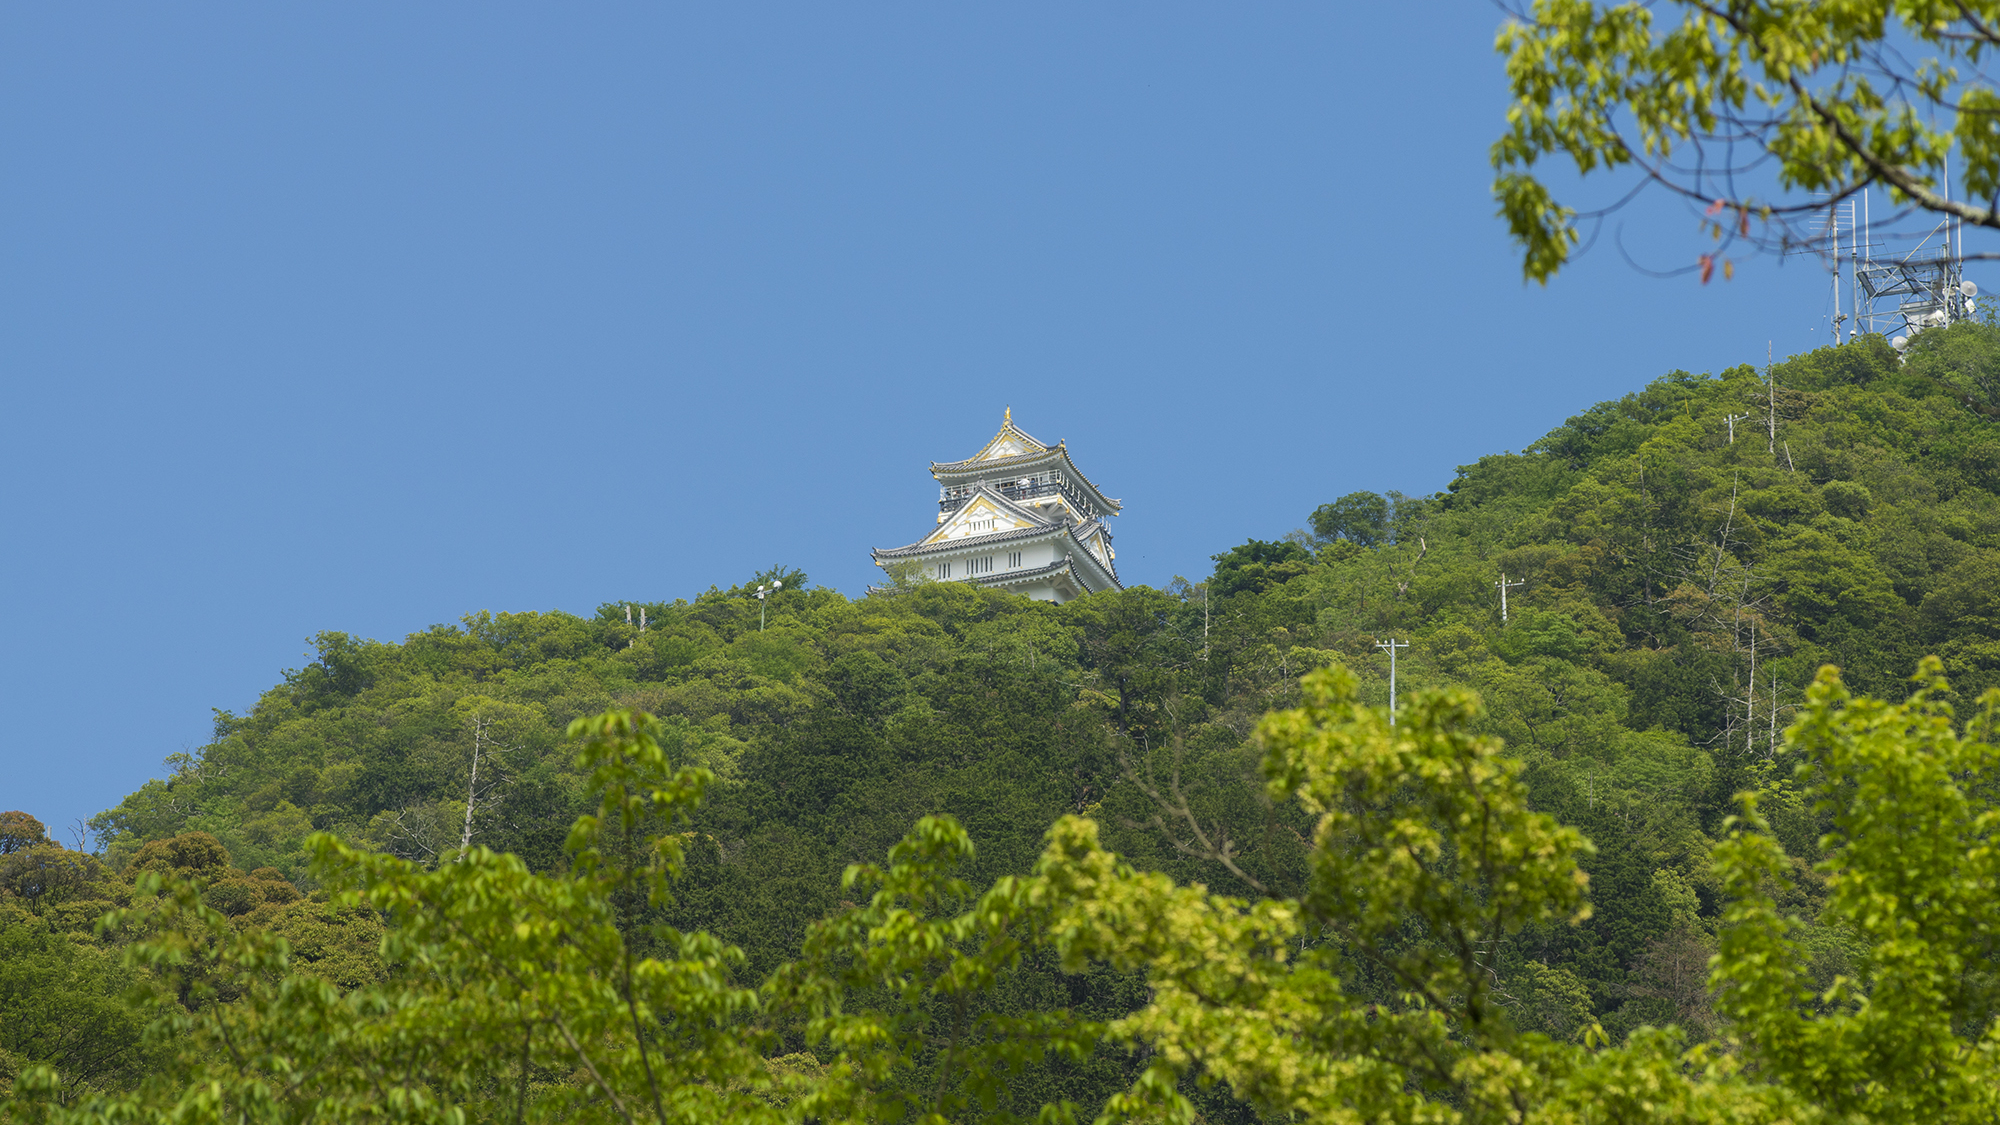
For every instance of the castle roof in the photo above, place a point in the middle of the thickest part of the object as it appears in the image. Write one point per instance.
(1033, 525)
(1018, 492)
(1012, 441)
(1041, 528)
(1012, 450)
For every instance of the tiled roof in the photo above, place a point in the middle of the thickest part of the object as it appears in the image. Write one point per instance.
(974, 464)
(1082, 532)
(1016, 577)
(1037, 452)
(1064, 565)
(923, 548)
(1078, 533)
(1008, 432)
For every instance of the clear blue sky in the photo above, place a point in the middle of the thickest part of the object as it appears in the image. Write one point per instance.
(367, 316)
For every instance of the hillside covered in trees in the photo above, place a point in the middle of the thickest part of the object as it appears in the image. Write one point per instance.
(1681, 562)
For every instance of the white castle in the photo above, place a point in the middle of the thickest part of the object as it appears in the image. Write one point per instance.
(1017, 516)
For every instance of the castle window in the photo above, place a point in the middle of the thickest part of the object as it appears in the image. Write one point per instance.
(1013, 559)
(944, 570)
(980, 566)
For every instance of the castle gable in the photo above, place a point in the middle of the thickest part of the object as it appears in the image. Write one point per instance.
(985, 514)
(1011, 441)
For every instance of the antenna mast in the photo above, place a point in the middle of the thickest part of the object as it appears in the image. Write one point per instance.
(1920, 289)
(1833, 227)
(1855, 234)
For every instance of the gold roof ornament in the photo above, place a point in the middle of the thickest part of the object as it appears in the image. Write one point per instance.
(1011, 441)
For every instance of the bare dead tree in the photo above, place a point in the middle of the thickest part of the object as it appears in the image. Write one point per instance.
(414, 832)
(480, 724)
(1674, 968)
(1719, 599)
(1403, 586)
(1723, 539)
(1170, 801)
(487, 772)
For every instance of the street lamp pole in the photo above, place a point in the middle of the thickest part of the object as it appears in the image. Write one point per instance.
(762, 592)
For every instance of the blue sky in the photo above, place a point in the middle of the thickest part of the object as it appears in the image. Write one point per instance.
(365, 316)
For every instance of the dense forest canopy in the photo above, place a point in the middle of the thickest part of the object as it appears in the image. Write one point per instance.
(1683, 560)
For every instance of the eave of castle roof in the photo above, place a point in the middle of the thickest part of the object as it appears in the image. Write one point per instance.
(925, 547)
(1032, 574)
(1079, 534)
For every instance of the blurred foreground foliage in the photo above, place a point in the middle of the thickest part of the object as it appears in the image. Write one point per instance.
(1374, 994)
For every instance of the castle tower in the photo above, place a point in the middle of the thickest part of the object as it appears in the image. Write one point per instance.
(1017, 516)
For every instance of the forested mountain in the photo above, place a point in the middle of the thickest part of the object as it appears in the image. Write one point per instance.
(1680, 560)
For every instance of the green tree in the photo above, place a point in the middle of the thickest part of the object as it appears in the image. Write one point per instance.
(19, 830)
(1391, 987)
(1425, 858)
(1710, 98)
(535, 997)
(1359, 517)
(45, 875)
(1911, 868)
(62, 1007)
(1256, 566)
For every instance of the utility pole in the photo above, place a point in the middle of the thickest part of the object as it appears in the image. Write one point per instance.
(1392, 644)
(1503, 584)
(1732, 419)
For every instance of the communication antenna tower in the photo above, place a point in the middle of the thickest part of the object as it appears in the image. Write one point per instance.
(1892, 291)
